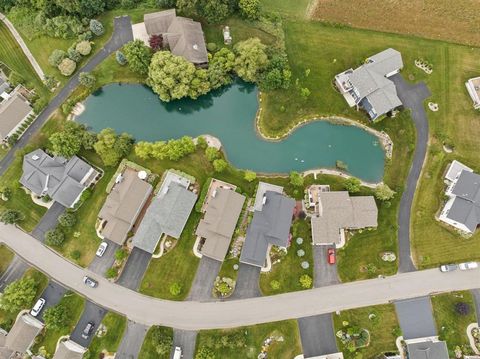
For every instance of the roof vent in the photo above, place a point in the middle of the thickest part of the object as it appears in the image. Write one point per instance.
(195, 46)
(35, 157)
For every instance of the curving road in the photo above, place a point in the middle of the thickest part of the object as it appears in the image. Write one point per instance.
(195, 315)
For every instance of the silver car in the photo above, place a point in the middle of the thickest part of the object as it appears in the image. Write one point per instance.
(448, 267)
(101, 249)
(468, 265)
(92, 283)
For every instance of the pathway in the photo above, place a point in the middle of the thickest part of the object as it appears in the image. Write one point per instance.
(416, 318)
(324, 273)
(412, 97)
(122, 33)
(194, 315)
(247, 285)
(204, 280)
(132, 341)
(23, 46)
(48, 221)
(317, 335)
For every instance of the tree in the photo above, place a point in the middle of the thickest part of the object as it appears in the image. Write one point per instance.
(18, 295)
(120, 57)
(202, 142)
(249, 8)
(73, 54)
(220, 165)
(12, 216)
(212, 153)
(56, 317)
(55, 237)
(205, 353)
(65, 143)
(56, 57)
(306, 281)
(212, 10)
(138, 56)
(220, 68)
(112, 148)
(250, 59)
(296, 179)
(87, 79)
(352, 185)
(84, 47)
(277, 74)
(462, 308)
(156, 42)
(250, 176)
(383, 192)
(162, 340)
(143, 149)
(67, 67)
(305, 93)
(67, 219)
(96, 27)
(175, 289)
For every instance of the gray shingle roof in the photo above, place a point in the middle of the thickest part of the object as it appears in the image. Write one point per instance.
(12, 112)
(270, 226)
(22, 334)
(466, 205)
(428, 350)
(68, 349)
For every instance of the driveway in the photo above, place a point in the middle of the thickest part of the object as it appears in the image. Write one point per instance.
(317, 335)
(186, 340)
(476, 298)
(324, 273)
(132, 341)
(416, 318)
(99, 265)
(14, 272)
(135, 268)
(247, 282)
(91, 313)
(48, 221)
(122, 33)
(412, 97)
(52, 294)
(204, 279)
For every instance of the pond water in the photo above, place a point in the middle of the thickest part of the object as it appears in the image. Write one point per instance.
(229, 114)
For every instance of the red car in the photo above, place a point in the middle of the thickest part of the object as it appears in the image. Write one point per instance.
(331, 256)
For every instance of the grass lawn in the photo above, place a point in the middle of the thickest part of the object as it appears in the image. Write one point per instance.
(452, 326)
(295, 8)
(383, 329)
(49, 337)
(115, 325)
(253, 337)
(289, 270)
(148, 350)
(6, 256)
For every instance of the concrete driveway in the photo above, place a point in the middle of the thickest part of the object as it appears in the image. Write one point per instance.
(52, 294)
(132, 341)
(48, 221)
(100, 265)
(91, 313)
(204, 279)
(412, 97)
(135, 268)
(324, 273)
(247, 282)
(416, 318)
(186, 340)
(317, 335)
(14, 271)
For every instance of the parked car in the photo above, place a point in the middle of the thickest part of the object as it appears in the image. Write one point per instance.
(88, 330)
(331, 256)
(177, 354)
(448, 267)
(90, 282)
(37, 308)
(101, 249)
(468, 265)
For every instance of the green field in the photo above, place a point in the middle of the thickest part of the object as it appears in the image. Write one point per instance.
(115, 325)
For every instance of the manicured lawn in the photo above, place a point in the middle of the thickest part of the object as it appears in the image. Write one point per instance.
(289, 270)
(383, 329)
(115, 325)
(6, 256)
(148, 350)
(253, 338)
(49, 337)
(451, 326)
(295, 8)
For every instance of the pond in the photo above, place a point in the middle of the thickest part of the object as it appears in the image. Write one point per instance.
(229, 114)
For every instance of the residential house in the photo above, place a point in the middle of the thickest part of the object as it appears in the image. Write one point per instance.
(369, 86)
(473, 88)
(222, 209)
(269, 226)
(123, 205)
(462, 209)
(4, 87)
(337, 211)
(262, 188)
(21, 336)
(14, 111)
(183, 36)
(428, 348)
(61, 179)
(167, 214)
(68, 349)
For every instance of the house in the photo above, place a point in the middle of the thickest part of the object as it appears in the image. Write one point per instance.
(222, 209)
(428, 348)
(473, 88)
(269, 226)
(183, 36)
(14, 111)
(21, 336)
(369, 86)
(167, 214)
(123, 205)
(336, 211)
(61, 179)
(4, 87)
(68, 349)
(262, 188)
(462, 209)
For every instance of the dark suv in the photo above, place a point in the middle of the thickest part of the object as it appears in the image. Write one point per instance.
(88, 330)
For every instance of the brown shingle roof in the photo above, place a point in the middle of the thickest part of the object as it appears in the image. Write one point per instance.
(23, 332)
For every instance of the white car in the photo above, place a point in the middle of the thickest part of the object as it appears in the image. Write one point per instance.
(468, 265)
(37, 308)
(177, 354)
(101, 249)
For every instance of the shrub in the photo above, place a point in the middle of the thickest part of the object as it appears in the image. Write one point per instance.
(275, 284)
(85, 36)
(306, 281)
(75, 254)
(175, 289)
(73, 54)
(156, 42)
(352, 185)
(55, 237)
(249, 8)
(250, 176)
(212, 47)
(87, 79)
(11, 216)
(56, 317)
(220, 165)
(120, 57)
(296, 179)
(121, 254)
(67, 67)
(111, 273)
(84, 48)
(300, 253)
(383, 192)
(212, 153)
(67, 219)
(96, 27)
(56, 57)
(462, 308)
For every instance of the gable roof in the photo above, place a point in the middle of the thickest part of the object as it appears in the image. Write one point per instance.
(68, 349)
(218, 224)
(428, 350)
(466, 205)
(23, 333)
(261, 189)
(12, 112)
(270, 226)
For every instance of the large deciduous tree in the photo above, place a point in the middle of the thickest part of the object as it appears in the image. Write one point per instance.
(250, 59)
(18, 295)
(56, 317)
(220, 68)
(112, 147)
(138, 56)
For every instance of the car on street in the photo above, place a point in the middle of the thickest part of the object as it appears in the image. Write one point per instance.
(101, 249)
(88, 330)
(448, 267)
(177, 353)
(90, 282)
(468, 265)
(331, 256)
(37, 308)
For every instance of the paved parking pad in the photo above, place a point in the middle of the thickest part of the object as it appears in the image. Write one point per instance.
(100, 265)
(185, 339)
(324, 273)
(132, 341)
(204, 279)
(52, 294)
(135, 268)
(91, 313)
(247, 282)
(416, 317)
(48, 221)
(317, 335)
(14, 271)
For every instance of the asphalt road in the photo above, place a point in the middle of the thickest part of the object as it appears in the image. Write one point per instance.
(91, 313)
(203, 282)
(324, 273)
(132, 341)
(247, 285)
(48, 221)
(121, 35)
(193, 315)
(412, 97)
(416, 318)
(317, 335)
(99, 265)
(14, 271)
(135, 268)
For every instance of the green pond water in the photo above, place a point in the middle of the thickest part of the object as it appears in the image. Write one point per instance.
(229, 114)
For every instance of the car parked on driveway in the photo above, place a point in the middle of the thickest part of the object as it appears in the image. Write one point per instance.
(88, 330)
(177, 353)
(37, 308)
(468, 265)
(90, 282)
(331, 256)
(448, 267)
(101, 249)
